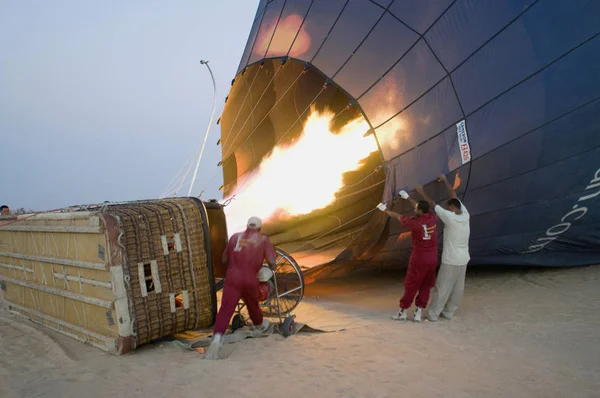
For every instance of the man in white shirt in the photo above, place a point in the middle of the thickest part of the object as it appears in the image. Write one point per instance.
(450, 283)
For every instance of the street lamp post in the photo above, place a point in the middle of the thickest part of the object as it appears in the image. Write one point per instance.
(208, 128)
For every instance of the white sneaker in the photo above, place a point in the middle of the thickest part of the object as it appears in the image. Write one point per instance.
(418, 315)
(212, 352)
(263, 327)
(402, 315)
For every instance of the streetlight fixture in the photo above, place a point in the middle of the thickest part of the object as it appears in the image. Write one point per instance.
(203, 62)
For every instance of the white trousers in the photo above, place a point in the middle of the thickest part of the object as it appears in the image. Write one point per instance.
(448, 292)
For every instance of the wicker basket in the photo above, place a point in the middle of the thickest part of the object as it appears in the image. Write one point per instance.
(115, 278)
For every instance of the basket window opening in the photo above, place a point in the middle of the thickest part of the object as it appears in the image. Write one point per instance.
(171, 243)
(148, 278)
(179, 300)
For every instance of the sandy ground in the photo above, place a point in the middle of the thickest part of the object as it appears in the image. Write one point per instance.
(517, 334)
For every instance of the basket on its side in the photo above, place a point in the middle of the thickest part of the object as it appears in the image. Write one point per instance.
(115, 278)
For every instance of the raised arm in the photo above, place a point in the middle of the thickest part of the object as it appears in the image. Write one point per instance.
(407, 222)
(225, 255)
(425, 197)
(269, 253)
(405, 196)
(451, 191)
(393, 214)
(225, 258)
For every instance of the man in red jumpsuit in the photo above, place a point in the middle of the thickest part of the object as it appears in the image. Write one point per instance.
(244, 256)
(420, 276)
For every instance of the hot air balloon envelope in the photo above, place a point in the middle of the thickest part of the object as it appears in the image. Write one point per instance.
(503, 97)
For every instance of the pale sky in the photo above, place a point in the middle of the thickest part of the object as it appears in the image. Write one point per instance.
(107, 100)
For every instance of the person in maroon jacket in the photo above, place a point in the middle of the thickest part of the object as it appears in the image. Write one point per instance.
(420, 276)
(244, 256)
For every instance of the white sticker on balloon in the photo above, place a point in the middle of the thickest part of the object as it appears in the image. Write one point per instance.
(463, 142)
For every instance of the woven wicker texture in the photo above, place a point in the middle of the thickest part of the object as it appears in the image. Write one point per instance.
(145, 226)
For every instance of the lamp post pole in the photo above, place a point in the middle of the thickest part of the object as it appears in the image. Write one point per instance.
(208, 128)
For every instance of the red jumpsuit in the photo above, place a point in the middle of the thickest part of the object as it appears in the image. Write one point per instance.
(245, 252)
(420, 277)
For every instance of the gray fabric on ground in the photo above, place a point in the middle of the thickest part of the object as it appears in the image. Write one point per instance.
(448, 291)
(230, 338)
(248, 332)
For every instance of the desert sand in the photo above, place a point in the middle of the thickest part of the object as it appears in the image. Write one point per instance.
(518, 333)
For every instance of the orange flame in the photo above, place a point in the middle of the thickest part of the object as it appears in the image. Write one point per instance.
(457, 181)
(387, 97)
(280, 42)
(304, 176)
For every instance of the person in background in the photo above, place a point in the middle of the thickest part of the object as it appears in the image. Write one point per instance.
(450, 283)
(4, 210)
(420, 276)
(244, 256)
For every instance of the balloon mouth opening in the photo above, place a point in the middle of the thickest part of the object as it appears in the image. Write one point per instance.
(304, 154)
